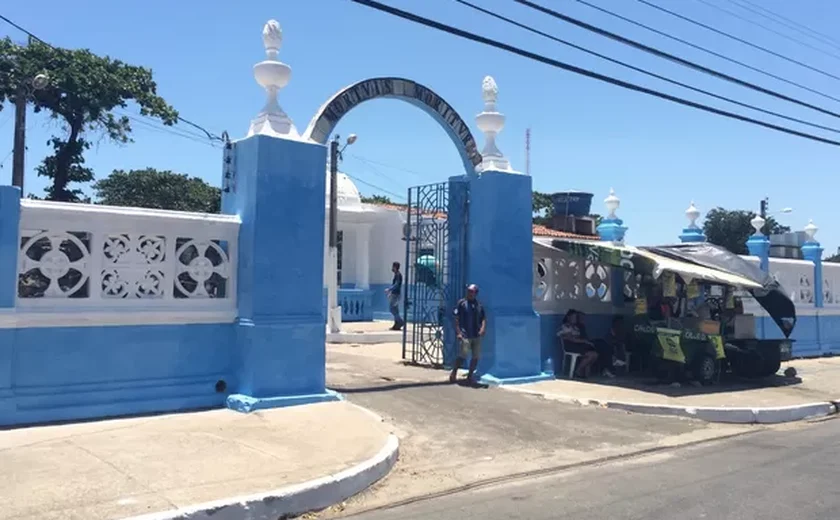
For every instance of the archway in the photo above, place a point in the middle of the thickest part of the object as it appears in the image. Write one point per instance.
(435, 217)
(328, 116)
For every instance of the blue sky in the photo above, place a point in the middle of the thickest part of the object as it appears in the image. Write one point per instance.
(585, 135)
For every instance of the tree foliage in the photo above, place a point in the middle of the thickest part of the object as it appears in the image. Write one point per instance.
(731, 228)
(376, 199)
(835, 258)
(82, 91)
(150, 188)
(542, 207)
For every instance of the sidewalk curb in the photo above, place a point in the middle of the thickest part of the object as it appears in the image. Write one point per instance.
(292, 500)
(734, 415)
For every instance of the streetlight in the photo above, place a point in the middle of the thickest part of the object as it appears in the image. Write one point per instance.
(333, 311)
(38, 82)
(765, 202)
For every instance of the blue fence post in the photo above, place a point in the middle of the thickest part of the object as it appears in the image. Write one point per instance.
(759, 245)
(813, 251)
(278, 189)
(9, 247)
(692, 233)
(9, 244)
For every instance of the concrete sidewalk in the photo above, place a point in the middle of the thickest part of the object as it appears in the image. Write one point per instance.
(771, 400)
(127, 467)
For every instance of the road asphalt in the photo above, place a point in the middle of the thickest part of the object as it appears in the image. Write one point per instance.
(453, 436)
(774, 474)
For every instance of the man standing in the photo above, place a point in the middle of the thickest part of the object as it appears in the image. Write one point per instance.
(393, 293)
(470, 324)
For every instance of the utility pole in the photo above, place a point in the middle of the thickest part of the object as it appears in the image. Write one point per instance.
(763, 213)
(20, 138)
(333, 310)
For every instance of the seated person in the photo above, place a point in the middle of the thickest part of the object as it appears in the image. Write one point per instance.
(573, 334)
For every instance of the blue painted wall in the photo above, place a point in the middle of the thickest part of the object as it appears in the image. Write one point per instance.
(64, 373)
(500, 261)
(814, 335)
(280, 190)
(9, 244)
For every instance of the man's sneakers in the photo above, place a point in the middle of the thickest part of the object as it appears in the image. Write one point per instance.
(396, 326)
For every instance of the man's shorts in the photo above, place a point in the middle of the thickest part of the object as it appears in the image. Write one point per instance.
(471, 346)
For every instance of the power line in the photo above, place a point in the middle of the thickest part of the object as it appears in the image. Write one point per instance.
(581, 71)
(768, 29)
(644, 71)
(184, 120)
(384, 165)
(676, 59)
(152, 124)
(374, 186)
(706, 50)
(736, 38)
(784, 21)
(826, 38)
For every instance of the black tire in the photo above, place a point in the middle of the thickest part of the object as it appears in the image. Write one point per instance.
(705, 368)
(771, 362)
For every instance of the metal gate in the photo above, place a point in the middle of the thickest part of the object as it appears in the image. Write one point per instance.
(434, 272)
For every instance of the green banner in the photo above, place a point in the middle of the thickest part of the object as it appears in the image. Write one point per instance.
(669, 340)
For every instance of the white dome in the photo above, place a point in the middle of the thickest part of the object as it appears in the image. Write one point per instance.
(348, 193)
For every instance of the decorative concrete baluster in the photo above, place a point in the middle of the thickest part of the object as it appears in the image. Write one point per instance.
(692, 233)
(272, 75)
(491, 122)
(759, 245)
(500, 256)
(281, 334)
(612, 228)
(812, 250)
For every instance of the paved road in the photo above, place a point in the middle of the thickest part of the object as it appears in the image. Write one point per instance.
(451, 436)
(772, 475)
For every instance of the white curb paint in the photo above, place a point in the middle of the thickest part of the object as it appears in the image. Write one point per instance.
(735, 415)
(365, 338)
(297, 499)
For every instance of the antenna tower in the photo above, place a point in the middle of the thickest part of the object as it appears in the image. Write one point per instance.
(528, 151)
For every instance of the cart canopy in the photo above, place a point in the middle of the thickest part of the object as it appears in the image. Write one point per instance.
(693, 262)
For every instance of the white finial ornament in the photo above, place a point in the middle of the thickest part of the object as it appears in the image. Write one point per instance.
(692, 213)
(811, 230)
(612, 203)
(491, 122)
(757, 223)
(272, 75)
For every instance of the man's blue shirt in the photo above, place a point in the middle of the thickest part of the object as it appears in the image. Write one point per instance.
(470, 317)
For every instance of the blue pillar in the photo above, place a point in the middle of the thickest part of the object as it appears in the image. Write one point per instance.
(458, 206)
(759, 245)
(279, 192)
(9, 244)
(812, 251)
(500, 259)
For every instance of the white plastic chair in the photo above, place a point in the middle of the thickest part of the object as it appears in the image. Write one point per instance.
(570, 359)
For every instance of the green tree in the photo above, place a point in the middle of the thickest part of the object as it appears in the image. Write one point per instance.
(731, 228)
(376, 199)
(150, 188)
(835, 258)
(82, 91)
(542, 208)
